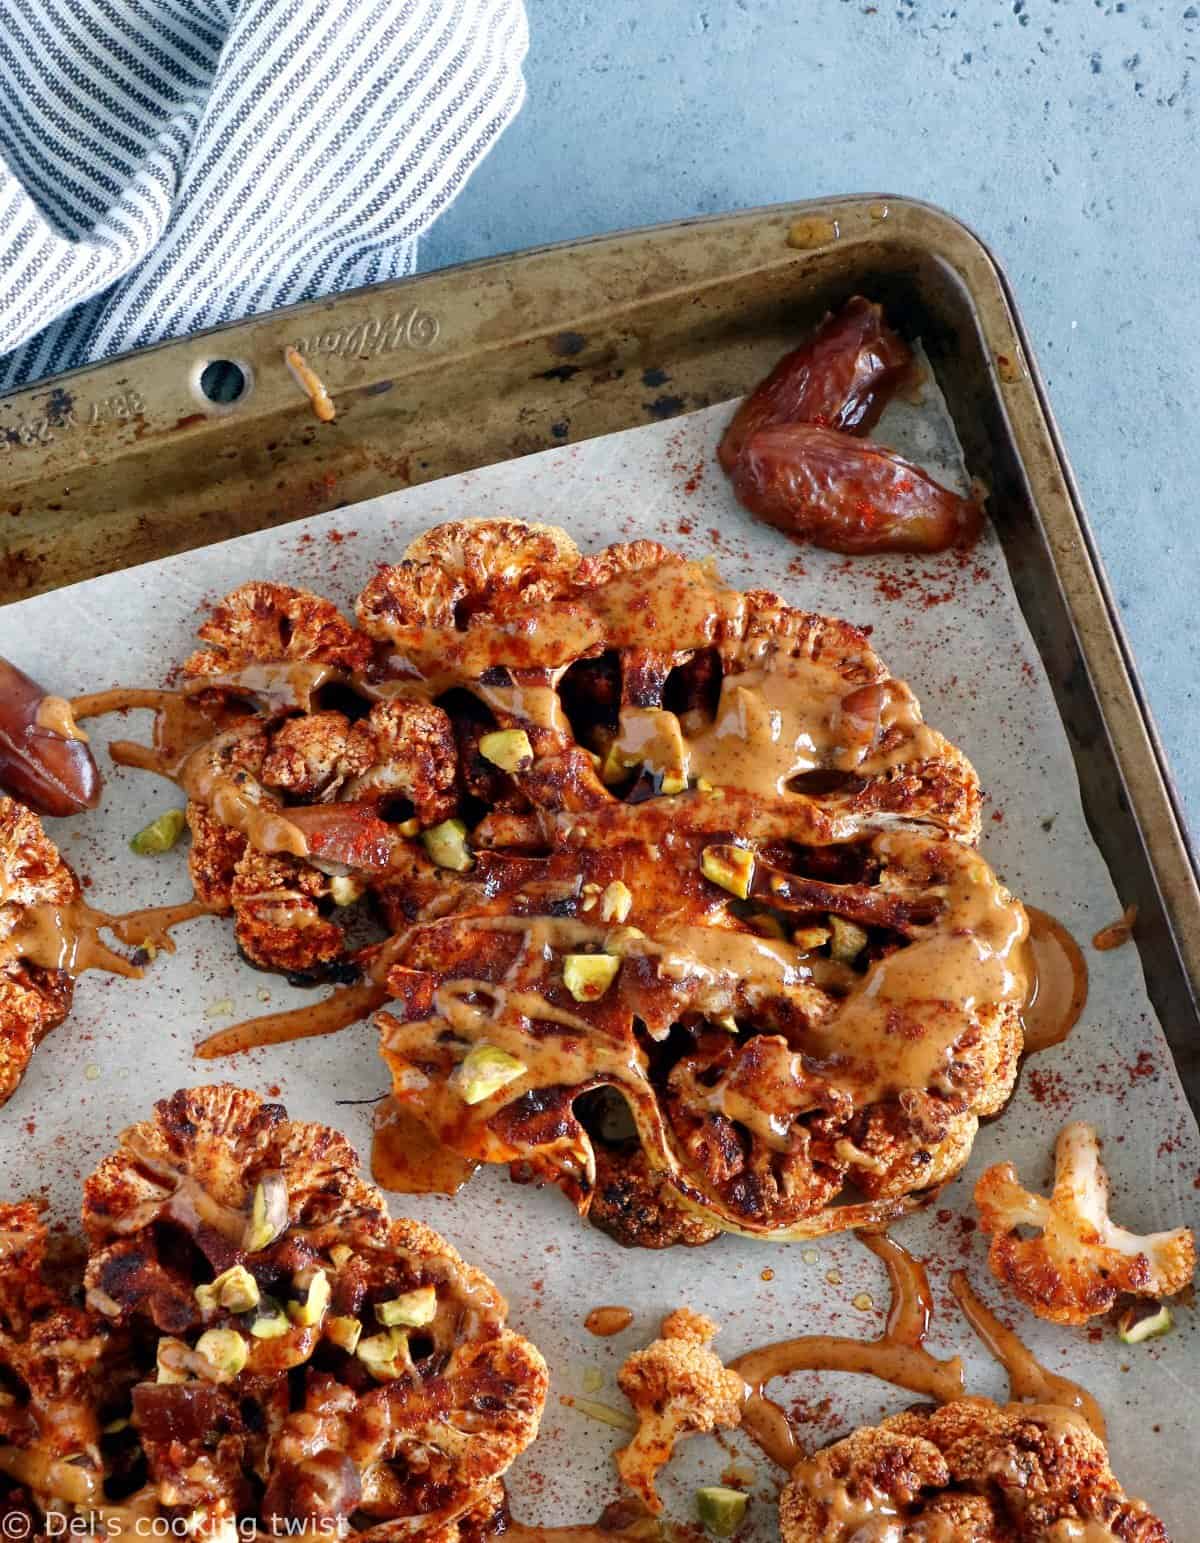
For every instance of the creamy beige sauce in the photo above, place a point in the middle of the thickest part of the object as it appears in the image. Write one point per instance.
(285, 683)
(897, 1356)
(1029, 1381)
(898, 1029)
(67, 936)
(777, 722)
(50, 1476)
(55, 716)
(236, 800)
(1058, 982)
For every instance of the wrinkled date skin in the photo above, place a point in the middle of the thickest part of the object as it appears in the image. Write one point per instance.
(842, 378)
(849, 495)
(50, 772)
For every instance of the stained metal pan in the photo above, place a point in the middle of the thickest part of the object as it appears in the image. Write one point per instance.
(130, 460)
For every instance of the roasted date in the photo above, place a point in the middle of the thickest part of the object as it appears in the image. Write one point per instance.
(44, 759)
(849, 495)
(841, 378)
(352, 835)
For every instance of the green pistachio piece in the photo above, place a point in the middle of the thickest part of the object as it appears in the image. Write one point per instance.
(413, 1310)
(721, 1510)
(484, 1071)
(160, 835)
(447, 846)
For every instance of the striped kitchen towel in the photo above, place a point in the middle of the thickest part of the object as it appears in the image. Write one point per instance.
(166, 165)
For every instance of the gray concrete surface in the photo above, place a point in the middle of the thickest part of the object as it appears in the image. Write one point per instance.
(1063, 131)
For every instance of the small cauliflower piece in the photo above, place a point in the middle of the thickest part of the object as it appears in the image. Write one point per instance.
(677, 1387)
(972, 1471)
(1082, 1261)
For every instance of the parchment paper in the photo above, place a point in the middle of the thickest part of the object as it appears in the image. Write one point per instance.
(951, 626)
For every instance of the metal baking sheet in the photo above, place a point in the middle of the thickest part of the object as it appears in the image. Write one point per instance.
(952, 625)
(124, 462)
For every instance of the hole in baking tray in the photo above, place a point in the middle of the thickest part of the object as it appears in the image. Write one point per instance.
(222, 381)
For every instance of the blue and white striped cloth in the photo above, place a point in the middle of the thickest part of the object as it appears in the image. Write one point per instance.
(167, 165)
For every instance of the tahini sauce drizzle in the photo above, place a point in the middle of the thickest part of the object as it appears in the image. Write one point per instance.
(1058, 982)
(898, 1355)
(1029, 1381)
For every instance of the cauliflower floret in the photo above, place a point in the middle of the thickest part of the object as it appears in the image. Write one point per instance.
(461, 569)
(991, 1473)
(49, 1354)
(312, 756)
(33, 999)
(870, 1475)
(278, 924)
(677, 1387)
(195, 1168)
(407, 748)
(1082, 1261)
(363, 1366)
(262, 623)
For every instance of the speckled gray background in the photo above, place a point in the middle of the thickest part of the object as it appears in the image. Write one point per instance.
(1063, 131)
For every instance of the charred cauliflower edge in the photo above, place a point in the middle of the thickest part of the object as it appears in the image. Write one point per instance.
(569, 664)
(260, 1342)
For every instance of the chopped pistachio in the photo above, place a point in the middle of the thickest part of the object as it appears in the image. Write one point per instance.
(1133, 1329)
(345, 890)
(703, 785)
(509, 749)
(268, 1213)
(673, 782)
(315, 1284)
(847, 939)
(412, 1310)
(161, 834)
(384, 1355)
(169, 1350)
(225, 1351)
(623, 940)
(727, 1022)
(447, 846)
(614, 767)
(810, 937)
(411, 827)
(235, 1289)
(616, 902)
(270, 1321)
(588, 976)
(721, 1510)
(114, 1427)
(484, 1070)
(344, 1332)
(730, 867)
(340, 1253)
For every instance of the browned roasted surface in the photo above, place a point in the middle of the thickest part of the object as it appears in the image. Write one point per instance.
(972, 1472)
(33, 998)
(809, 978)
(294, 1402)
(50, 1377)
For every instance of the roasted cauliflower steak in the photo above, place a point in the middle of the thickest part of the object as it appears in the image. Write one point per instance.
(972, 1471)
(640, 841)
(262, 1345)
